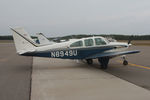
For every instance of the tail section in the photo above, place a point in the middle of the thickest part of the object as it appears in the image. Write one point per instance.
(23, 41)
(43, 40)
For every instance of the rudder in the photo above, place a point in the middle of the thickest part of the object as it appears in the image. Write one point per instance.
(22, 43)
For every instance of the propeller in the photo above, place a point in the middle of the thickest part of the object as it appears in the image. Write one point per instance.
(129, 41)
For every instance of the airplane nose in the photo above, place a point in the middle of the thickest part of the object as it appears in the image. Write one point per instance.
(127, 45)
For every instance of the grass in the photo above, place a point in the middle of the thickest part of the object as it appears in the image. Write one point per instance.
(134, 42)
(138, 42)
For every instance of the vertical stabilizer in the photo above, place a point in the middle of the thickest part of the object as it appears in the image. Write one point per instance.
(23, 41)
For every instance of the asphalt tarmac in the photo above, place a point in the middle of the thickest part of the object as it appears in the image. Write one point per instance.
(15, 74)
(15, 71)
(60, 79)
(138, 70)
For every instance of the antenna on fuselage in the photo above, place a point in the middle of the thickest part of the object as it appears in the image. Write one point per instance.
(93, 35)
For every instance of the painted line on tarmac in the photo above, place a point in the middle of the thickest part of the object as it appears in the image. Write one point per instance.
(135, 65)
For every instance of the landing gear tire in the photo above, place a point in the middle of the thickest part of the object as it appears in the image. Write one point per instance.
(125, 62)
(104, 62)
(104, 67)
(89, 61)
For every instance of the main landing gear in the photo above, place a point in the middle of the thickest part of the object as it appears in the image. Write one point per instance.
(104, 62)
(125, 62)
(89, 61)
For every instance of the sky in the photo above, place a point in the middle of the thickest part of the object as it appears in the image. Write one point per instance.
(66, 17)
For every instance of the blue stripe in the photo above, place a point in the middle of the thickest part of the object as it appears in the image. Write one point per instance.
(82, 53)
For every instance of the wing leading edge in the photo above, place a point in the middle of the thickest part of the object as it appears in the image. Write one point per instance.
(112, 54)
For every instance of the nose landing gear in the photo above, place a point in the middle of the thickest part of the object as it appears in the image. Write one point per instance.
(125, 62)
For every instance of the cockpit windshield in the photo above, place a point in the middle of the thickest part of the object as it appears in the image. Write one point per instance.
(99, 41)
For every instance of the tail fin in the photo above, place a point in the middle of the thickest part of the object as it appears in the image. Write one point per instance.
(23, 41)
(43, 40)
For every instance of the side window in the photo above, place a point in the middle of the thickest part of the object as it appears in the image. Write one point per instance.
(88, 42)
(99, 41)
(77, 44)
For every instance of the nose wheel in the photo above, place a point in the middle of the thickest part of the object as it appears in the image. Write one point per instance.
(125, 62)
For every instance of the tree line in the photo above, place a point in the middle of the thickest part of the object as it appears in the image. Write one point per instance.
(117, 37)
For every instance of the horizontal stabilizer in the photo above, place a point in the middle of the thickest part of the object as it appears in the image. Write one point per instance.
(43, 40)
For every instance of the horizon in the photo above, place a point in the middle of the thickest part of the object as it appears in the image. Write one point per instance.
(69, 17)
(87, 35)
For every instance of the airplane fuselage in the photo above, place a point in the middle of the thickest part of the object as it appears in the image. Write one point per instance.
(64, 51)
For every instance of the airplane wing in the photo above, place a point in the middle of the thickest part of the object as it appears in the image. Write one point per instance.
(112, 54)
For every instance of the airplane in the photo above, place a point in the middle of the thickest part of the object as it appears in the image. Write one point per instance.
(87, 49)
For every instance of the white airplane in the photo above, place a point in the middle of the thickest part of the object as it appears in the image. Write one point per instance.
(81, 49)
